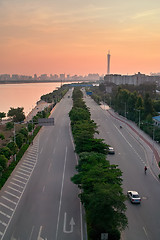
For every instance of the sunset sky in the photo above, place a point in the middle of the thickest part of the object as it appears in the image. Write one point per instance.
(74, 36)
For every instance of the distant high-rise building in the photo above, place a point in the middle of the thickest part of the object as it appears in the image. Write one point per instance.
(108, 62)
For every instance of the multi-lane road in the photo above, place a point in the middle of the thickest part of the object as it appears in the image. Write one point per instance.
(132, 153)
(39, 201)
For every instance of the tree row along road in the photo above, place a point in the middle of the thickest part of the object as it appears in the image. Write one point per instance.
(39, 201)
(132, 154)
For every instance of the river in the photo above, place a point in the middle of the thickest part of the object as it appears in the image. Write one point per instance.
(24, 95)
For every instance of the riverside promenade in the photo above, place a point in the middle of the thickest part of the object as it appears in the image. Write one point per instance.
(41, 105)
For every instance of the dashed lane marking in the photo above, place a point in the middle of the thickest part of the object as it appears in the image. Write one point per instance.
(21, 177)
(3, 223)
(4, 214)
(26, 162)
(29, 168)
(14, 189)
(12, 194)
(18, 181)
(24, 170)
(9, 200)
(4, 205)
(23, 174)
(15, 184)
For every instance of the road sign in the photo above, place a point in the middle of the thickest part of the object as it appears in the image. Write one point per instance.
(89, 93)
(104, 236)
(46, 121)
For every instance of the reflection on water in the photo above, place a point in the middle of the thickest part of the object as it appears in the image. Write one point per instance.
(23, 95)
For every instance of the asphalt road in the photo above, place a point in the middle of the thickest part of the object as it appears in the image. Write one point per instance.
(39, 201)
(132, 154)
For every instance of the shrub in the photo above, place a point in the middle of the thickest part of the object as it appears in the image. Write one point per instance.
(13, 147)
(3, 161)
(9, 125)
(2, 136)
(6, 152)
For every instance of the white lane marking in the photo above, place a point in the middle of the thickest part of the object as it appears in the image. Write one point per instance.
(12, 194)
(4, 205)
(19, 198)
(30, 237)
(30, 160)
(28, 163)
(145, 233)
(3, 223)
(21, 177)
(14, 189)
(25, 167)
(54, 151)
(24, 170)
(43, 188)
(30, 154)
(60, 202)
(23, 174)
(16, 185)
(9, 200)
(18, 181)
(72, 223)
(39, 234)
(41, 150)
(1, 233)
(129, 143)
(4, 214)
(49, 167)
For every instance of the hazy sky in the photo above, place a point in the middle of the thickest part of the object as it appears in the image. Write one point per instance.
(74, 36)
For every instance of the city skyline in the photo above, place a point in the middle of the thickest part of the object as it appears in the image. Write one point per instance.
(74, 36)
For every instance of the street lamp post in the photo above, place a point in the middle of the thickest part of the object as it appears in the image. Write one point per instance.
(14, 131)
(153, 144)
(138, 110)
(125, 110)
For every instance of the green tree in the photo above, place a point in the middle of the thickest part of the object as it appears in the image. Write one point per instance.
(77, 114)
(3, 161)
(24, 131)
(17, 114)
(6, 152)
(2, 115)
(30, 127)
(2, 136)
(102, 197)
(19, 139)
(148, 105)
(13, 147)
(84, 126)
(131, 105)
(9, 125)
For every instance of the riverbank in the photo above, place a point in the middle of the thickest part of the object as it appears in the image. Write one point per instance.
(41, 105)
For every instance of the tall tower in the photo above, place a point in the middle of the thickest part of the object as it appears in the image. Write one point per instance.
(108, 62)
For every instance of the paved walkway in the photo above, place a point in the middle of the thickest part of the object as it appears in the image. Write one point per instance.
(41, 105)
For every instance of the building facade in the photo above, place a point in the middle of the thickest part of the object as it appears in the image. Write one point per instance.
(135, 79)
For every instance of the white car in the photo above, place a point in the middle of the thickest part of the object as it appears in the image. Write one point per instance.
(134, 197)
(111, 150)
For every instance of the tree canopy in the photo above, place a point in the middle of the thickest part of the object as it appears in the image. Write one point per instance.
(17, 114)
(100, 182)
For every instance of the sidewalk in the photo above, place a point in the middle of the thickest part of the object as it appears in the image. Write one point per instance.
(41, 105)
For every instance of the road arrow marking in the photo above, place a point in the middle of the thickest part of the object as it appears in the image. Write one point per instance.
(72, 223)
(39, 234)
